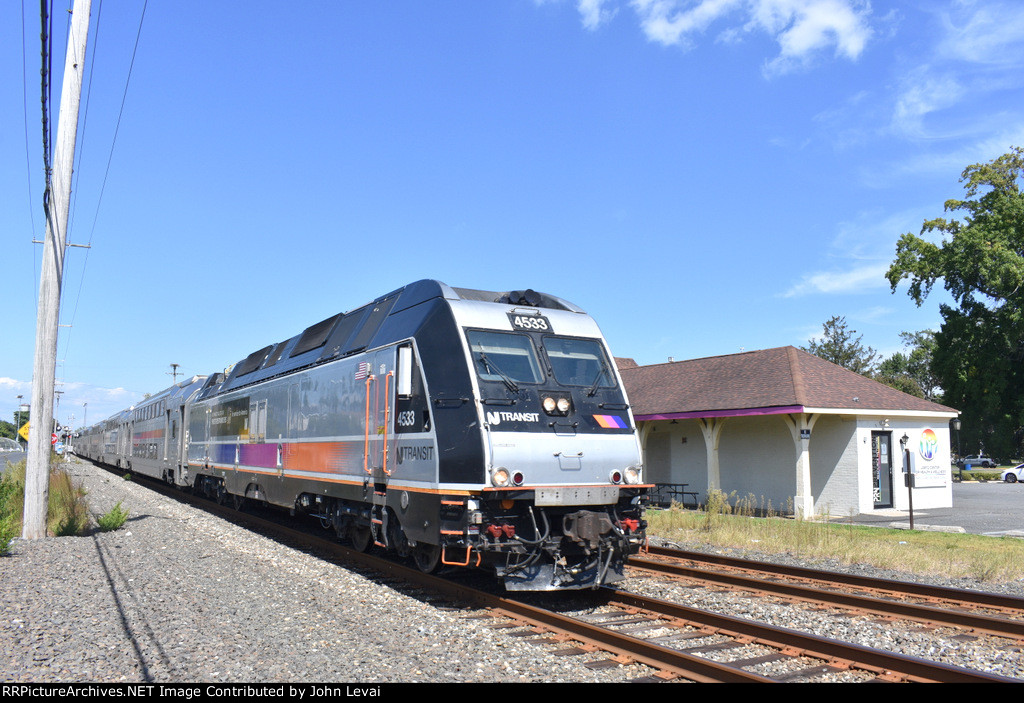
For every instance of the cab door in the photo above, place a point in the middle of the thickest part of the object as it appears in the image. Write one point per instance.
(378, 378)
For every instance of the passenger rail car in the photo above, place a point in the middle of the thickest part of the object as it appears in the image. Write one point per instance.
(455, 426)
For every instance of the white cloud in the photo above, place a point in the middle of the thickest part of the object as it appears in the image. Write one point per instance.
(802, 28)
(872, 314)
(947, 164)
(976, 53)
(863, 248)
(923, 94)
(665, 22)
(12, 384)
(595, 12)
(989, 33)
(860, 279)
(102, 402)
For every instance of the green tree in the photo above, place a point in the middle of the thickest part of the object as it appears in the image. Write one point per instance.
(10, 429)
(979, 349)
(913, 372)
(895, 372)
(839, 346)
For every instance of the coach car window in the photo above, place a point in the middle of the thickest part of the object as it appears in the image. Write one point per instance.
(579, 362)
(504, 357)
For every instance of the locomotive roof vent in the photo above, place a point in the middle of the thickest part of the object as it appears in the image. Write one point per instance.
(525, 297)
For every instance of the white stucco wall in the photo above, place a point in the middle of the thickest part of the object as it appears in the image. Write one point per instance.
(756, 455)
(835, 466)
(674, 453)
(757, 459)
(933, 470)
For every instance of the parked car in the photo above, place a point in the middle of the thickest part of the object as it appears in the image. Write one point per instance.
(976, 461)
(1013, 475)
(10, 452)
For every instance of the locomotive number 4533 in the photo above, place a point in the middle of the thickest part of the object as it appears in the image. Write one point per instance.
(530, 323)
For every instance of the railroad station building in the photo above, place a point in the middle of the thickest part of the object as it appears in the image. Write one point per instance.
(788, 432)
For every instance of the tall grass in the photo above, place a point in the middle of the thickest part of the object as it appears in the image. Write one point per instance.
(11, 494)
(748, 525)
(67, 511)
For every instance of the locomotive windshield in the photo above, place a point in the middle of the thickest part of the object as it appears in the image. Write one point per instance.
(504, 356)
(579, 362)
(511, 358)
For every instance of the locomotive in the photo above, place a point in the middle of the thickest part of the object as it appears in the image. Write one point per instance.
(454, 426)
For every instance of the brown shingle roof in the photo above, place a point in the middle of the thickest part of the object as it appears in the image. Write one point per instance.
(625, 363)
(784, 379)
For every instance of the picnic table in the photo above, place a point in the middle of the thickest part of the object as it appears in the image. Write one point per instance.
(664, 494)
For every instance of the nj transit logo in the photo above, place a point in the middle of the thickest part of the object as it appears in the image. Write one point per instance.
(929, 444)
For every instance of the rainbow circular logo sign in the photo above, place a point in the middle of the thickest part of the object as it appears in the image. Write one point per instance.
(929, 444)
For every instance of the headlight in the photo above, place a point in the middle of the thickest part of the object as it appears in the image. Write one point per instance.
(500, 477)
(557, 405)
(632, 475)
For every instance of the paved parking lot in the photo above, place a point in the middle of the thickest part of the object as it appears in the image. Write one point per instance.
(979, 507)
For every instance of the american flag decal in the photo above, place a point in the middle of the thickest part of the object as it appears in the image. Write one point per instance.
(362, 371)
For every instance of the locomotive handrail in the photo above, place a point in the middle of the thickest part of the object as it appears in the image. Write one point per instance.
(366, 431)
(387, 418)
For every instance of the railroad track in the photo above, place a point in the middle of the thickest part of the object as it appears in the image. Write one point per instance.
(671, 639)
(934, 606)
(674, 641)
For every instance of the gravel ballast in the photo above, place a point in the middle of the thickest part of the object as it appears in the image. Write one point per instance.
(178, 595)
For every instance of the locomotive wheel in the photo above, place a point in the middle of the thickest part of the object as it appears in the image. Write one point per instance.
(238, 502)
(427, 557)
(361, 538)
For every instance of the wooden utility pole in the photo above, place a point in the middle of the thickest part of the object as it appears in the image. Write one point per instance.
(37, 472)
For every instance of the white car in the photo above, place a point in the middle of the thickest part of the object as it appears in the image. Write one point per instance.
(1013, 475)
(9, 445)
(977, 462)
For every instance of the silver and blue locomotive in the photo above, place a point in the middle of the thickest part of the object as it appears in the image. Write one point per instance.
(455, 426)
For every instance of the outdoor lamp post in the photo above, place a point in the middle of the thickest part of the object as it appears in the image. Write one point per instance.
(959, 459)
(907, 476)
(18, 422)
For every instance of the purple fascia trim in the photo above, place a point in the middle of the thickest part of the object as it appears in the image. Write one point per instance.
(742, 412)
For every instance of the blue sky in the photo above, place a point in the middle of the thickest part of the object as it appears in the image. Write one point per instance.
(703, 177)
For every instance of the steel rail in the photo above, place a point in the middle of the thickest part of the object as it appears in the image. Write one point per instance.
(887, 665)
(928, 614)
(665, 659)
(813, 645)
(919, 590)
(626, 648)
